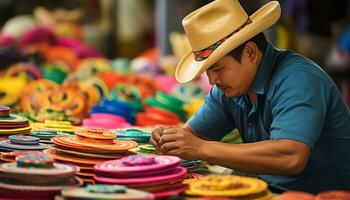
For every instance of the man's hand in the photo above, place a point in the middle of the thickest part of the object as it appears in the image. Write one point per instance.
(180, 142)
(156, 133)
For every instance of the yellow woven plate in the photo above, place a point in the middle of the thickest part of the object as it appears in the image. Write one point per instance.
(42, 126)
(234, 186)
(14, 130)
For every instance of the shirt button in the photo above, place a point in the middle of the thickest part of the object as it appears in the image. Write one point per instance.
(250, 124)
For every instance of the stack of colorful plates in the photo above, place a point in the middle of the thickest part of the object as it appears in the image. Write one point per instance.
(12, 124)
(225, 186)
(35, 176)
(160, 175)
(89, 147)
(139, 136)
(104, 192)
(22, 142)
(52, 125)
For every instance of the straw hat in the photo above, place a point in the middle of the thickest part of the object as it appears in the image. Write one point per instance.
(216, 29)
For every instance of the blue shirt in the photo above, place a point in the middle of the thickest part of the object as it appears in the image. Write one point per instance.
(296, 100)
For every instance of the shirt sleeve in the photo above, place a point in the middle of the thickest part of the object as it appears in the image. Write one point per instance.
(211, 119)
(298, 108)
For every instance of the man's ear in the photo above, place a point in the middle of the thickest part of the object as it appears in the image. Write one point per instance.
(251, 51)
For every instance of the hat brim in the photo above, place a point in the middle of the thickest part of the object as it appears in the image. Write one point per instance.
(262, 19)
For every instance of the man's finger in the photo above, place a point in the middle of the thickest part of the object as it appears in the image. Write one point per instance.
(170, 130)
(167, 138)
(174, 152)
(164, 148)
(156, 133)
(153, 142)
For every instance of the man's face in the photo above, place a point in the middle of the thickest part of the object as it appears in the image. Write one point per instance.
(231, 77)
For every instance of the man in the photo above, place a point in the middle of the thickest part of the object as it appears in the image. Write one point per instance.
(290, 115)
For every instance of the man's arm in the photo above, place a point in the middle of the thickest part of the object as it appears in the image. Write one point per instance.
(283, 157)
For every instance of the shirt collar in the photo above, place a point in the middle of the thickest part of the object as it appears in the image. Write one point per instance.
(265, 69)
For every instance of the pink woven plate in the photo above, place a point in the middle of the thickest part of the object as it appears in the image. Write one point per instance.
(173, 174)
(134, 174)
(116, 166)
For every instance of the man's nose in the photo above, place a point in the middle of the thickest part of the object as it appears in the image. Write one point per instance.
(213, 78)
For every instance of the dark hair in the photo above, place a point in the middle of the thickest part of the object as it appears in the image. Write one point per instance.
(259, 40)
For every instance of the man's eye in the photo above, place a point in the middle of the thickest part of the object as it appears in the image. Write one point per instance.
(217, 69)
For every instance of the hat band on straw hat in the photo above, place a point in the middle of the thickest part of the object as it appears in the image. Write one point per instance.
(205, 53)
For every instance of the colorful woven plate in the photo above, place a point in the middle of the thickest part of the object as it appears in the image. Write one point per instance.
(43, 126)
(58, 169)
(6, 186)
(15, 130)
(116, 166)
(46, 134)
(63, 145)
(61, 142)
(13, 125)
(82, 155)
(70, 159)
(133, 134)
(13, 154)
(173, 174)
(23, 139)
(57, 124)
(83, 193)
(117, 146)
(35, 180)
(234, 186)
(147, 147)
(35, 161)
(13, 118)
(97, 133)
(134, 174)
(8, 145)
